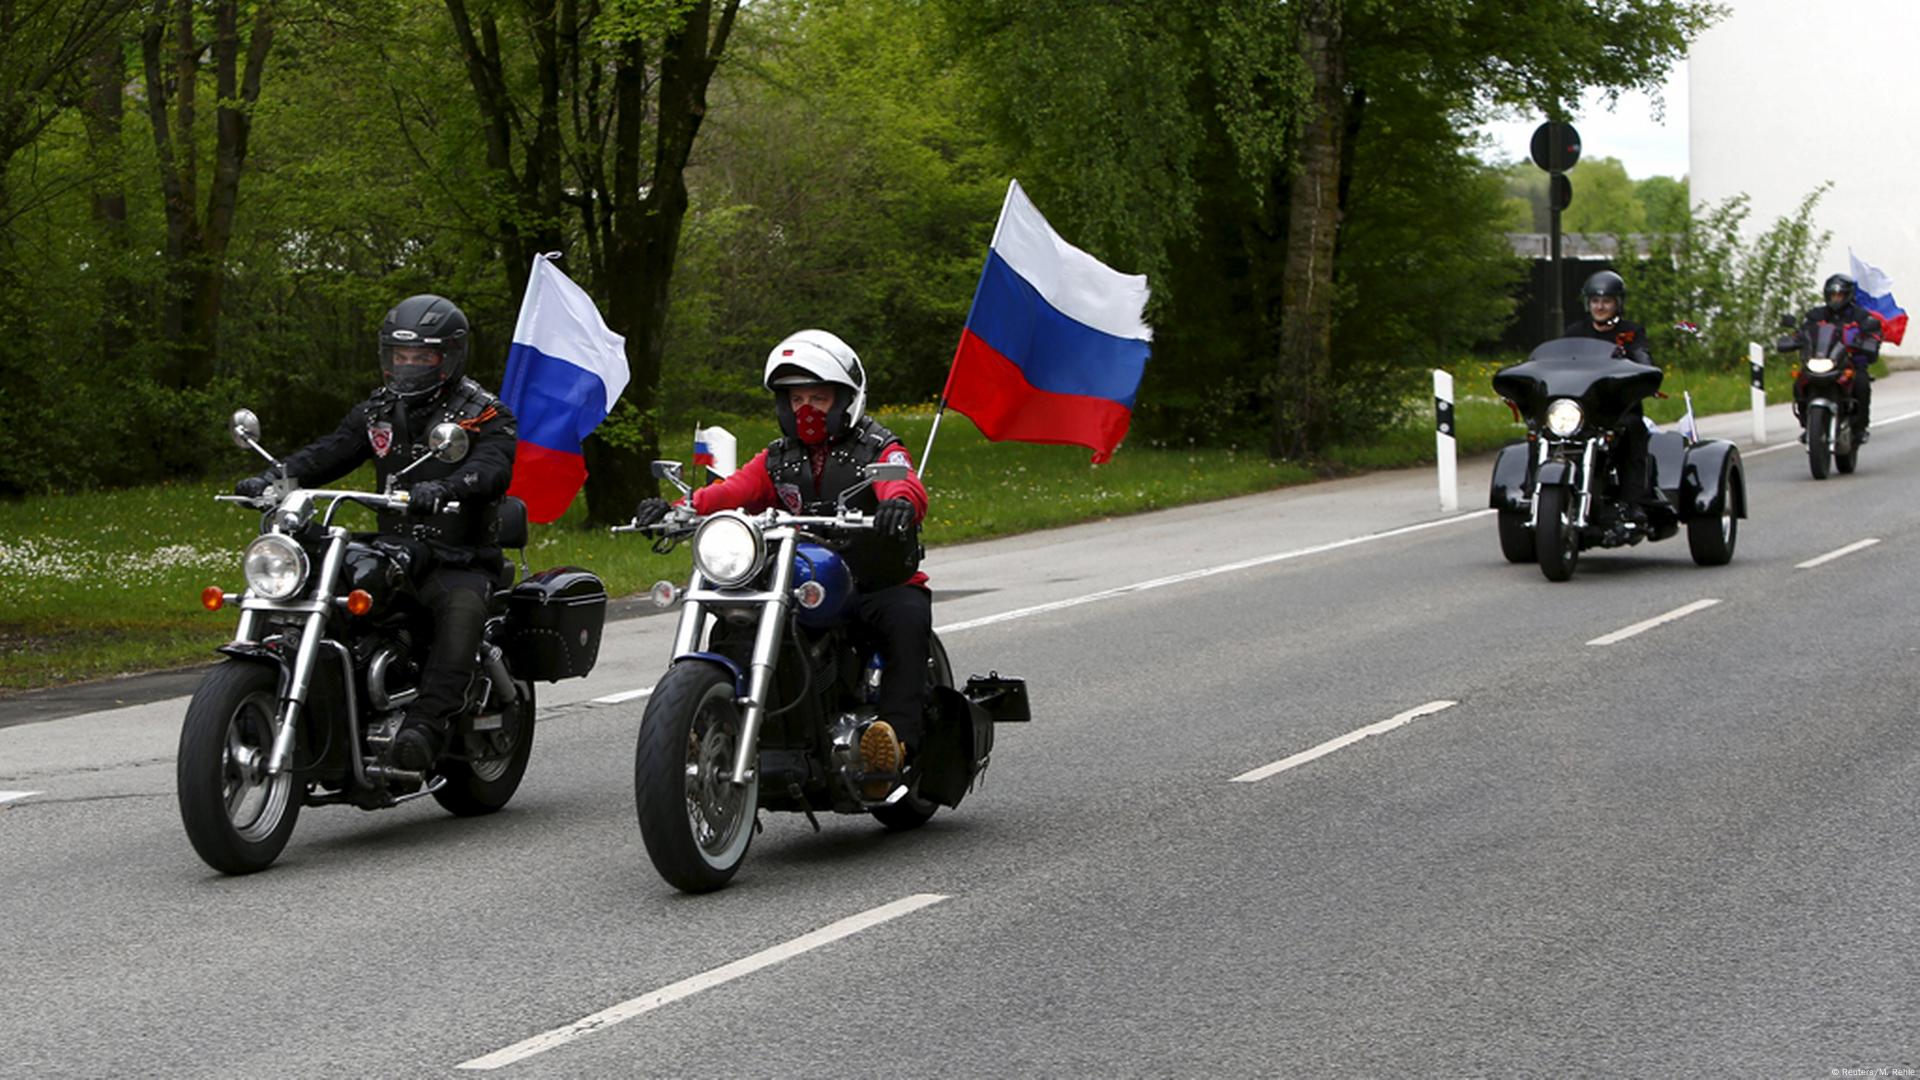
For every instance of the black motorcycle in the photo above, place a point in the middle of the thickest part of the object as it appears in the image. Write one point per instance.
(1559, 492)
(328, 654)
(771, 687)
(1823, 396)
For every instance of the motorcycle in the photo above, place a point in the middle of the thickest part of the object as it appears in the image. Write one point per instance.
(771, 686)
(1558, 493)
(327, 655)
(1823, 396)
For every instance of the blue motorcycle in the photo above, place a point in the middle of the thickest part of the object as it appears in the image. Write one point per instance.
(771, 686)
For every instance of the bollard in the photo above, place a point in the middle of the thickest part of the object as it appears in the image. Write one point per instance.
(1757, 359)
(1445, 443)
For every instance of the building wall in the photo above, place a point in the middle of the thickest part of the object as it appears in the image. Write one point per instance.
(1785, 94)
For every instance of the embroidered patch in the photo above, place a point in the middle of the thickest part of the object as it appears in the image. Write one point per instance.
(789, 496)
(898, 457)
(381, 436)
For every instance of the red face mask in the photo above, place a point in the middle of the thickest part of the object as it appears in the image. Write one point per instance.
(810, 424)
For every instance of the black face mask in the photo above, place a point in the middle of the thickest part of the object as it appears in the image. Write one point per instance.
(412, 381)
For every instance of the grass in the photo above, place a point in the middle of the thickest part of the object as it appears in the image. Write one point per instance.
(102, 583)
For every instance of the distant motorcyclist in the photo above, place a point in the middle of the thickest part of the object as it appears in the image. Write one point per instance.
(1860, 329)
(819, 395)
(423, 353)
(1605, 297)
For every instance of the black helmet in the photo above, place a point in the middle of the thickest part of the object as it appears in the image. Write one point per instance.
(1842, 286)
(428, 336)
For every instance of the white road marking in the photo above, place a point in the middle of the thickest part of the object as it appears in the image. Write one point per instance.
(1642, 627)
(13, 796)
(1890, 421)
(1832, 555)
(623, 696)
(1348, 739)
(1208, 571)
(666, 995)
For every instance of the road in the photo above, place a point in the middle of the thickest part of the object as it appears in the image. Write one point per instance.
(1685, 849)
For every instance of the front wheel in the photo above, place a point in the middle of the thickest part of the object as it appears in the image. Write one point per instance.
(912, 811)
(1846, 446)
(1558, 540)
(237, 817)
(1711, 539)
(1818, 448)
(496, 763)
(696, 822)
(1516, 540)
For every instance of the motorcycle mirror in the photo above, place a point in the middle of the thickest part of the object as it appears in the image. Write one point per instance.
(670, 472)
(448, 442)
(886, 471)
(245, 429)
(1786, 322)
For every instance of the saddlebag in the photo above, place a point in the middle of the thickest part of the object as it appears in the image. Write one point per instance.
(960, 743)
(1004, 699)
(553, 624)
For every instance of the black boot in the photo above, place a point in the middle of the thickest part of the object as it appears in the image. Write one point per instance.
(418, 744)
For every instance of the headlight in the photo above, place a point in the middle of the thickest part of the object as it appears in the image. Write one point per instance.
(1820, 365)
(275, 567)
(727, 550)
(1564, 417)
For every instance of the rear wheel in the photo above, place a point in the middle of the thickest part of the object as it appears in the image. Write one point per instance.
(1516, 540)
(1711, 539)
(237, 817)
(489, 778)
(696, 822)
(912, 811)
(1558, 540)
(1818, 451)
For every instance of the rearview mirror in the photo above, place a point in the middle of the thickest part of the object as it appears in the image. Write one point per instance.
(1786, 322)
(884, 472)
(245, 429)
(670, 472)
(448, 442)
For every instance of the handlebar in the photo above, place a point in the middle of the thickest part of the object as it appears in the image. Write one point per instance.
(680, 523)
(396, 501)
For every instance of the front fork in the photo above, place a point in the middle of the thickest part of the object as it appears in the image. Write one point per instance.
(777, 601)
(311, 638)
(1583, 484)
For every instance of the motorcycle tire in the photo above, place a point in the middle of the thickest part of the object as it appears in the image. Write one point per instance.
(912, 811)
(481, 786)
(1846, 449)
(1516, 540)
(696, 824)
(1712, 539)
(237, 819)
(1818, 452)
(1557, 540)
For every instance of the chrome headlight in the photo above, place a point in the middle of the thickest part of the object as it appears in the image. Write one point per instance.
(728, 550)
(1820, 365)
(1564, 417)
(275, 567)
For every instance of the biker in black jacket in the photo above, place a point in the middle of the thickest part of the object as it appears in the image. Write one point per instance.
(1862, 331)
(446, 552)
(1605, 294)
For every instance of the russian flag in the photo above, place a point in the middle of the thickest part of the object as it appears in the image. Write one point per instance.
(716, 448)
(564, 372)
(1055, 343)
(1876, 295)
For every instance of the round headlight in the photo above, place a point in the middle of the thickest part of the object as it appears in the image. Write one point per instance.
(1820, 365)
(1564, 417)
(727, 550)
(275, 567)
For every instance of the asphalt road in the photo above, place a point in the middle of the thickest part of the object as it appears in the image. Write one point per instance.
(1687, 850)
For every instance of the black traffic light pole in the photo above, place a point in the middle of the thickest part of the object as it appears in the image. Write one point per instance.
(1556, 147)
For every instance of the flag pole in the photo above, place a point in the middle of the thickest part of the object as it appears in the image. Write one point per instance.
(954, 365)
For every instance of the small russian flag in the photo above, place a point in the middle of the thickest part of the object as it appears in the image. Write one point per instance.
(715, 448)
(1874, 291)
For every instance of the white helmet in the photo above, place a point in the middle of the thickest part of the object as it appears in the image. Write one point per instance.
(815, 356)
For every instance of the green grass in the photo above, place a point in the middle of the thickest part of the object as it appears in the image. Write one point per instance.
(108, 582)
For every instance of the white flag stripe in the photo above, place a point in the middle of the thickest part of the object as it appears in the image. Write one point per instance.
(558, 318)
(1871, 280)
(1078, 285)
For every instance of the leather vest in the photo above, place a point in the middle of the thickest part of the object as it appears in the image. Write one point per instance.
(404, 429)
(876, 561)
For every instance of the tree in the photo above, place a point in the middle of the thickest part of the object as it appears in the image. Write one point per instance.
(1605, 199)
(1665, 201)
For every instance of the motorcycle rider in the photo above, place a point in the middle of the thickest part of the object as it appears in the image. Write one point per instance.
(1605, 296)
(424, 342)
(1860, 329)
(819, 396)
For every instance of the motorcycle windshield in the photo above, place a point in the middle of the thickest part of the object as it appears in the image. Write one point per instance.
(1584, 369)
(1826, 339)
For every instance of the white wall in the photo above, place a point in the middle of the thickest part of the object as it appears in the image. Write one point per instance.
(1786, 94)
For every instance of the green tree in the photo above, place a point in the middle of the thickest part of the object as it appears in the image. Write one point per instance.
(1605, 199)
(1665, 203)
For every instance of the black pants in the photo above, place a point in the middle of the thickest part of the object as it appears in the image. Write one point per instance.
(902, 617)
(457, 597)
(1633, 456)
(1862, 397)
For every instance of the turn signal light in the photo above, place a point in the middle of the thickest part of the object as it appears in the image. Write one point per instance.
(663, 594)
(213, 598)
(359, 602)
(811, 594)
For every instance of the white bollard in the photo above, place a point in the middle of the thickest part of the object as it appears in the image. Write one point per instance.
(1757, 360)
(1445, 443)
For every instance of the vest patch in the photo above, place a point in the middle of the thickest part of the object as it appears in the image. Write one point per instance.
(381, 436)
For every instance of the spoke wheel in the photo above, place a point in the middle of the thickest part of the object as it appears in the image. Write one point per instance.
(236, 816)
(696, 822)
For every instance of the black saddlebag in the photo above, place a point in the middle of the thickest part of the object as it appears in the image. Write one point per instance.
(553, 624)
(960, 736)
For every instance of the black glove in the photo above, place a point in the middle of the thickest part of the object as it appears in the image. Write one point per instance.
(650, 511)
(425, 498)
(252, 487)
(893, 517)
